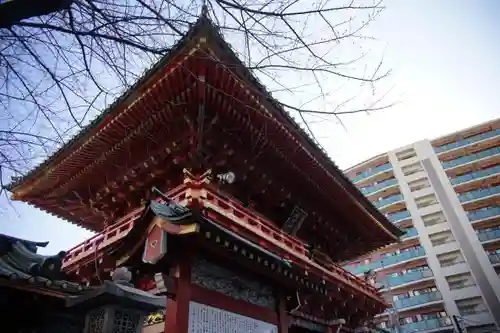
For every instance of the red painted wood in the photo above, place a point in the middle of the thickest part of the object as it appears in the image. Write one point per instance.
(155, 245)
(177, 311)
(282, 316)
(218, 300)
(250, 101)
(295, 248)
(284, 137)
(146, 284)
(333, 328)
(170, 316)
(80, 254)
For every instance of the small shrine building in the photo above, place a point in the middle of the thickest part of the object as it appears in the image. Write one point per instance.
(201, 184)
(36, 297)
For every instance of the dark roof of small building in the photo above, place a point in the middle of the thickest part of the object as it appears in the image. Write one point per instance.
(20, 262)
(117, 293)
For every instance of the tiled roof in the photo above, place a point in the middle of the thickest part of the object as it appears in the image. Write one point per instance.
(117, 293)
(20, 262)
(206, 26)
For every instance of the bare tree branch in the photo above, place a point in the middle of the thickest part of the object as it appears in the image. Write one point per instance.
(59, 70)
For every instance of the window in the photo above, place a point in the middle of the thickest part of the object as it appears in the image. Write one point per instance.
(406, 154)
(471, 306)
(459, 281)
(450, 258)
(440, 238)
(419, 184)
(412, 168)
(426, 200)
(433, 219)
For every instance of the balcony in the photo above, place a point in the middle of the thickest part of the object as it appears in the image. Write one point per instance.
(484, 213)
(371, 172)
(358, 269)
(387, 261)
(470, 158)
(394, 281)
(410, 232)
(425, 325)
(468, 141)
(487, 235)
(475, 175)
(388, 200)
(417, 300)
(403, 256)
(377, 187)
(395, 217)
(494, 258)
(478, 194)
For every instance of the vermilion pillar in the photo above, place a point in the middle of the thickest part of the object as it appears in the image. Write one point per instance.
(282, 316)
(177, 312)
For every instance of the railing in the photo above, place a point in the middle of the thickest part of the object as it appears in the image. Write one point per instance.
(387, 261)
(111, 234)
(467, 141)
(478, 194)
(262, 226)
(475, 175)
(394, 217)
(410, 232)
(485, 235)
(483, 213)
(374, 188)
(403, 256)
(267, 230)
(359, 269)
(425, 325)
(394, 281)
(371, 172)
(388, 200)
(494, 258)
(102, 239)
(470, 158)
(417, 300)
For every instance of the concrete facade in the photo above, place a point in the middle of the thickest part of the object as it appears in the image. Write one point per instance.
(446, 194)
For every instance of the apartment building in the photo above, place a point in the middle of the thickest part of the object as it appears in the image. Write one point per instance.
(445, 193)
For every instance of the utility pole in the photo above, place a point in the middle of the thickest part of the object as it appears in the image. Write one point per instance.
(457, 324)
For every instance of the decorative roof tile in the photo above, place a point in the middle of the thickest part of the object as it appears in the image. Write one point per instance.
(19, 261)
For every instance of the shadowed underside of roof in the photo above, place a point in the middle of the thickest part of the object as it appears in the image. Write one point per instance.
(205, 27)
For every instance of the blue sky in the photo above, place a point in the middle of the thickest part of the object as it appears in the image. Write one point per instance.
(445, 69)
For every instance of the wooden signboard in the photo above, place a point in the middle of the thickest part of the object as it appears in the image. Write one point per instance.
(294, 221)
